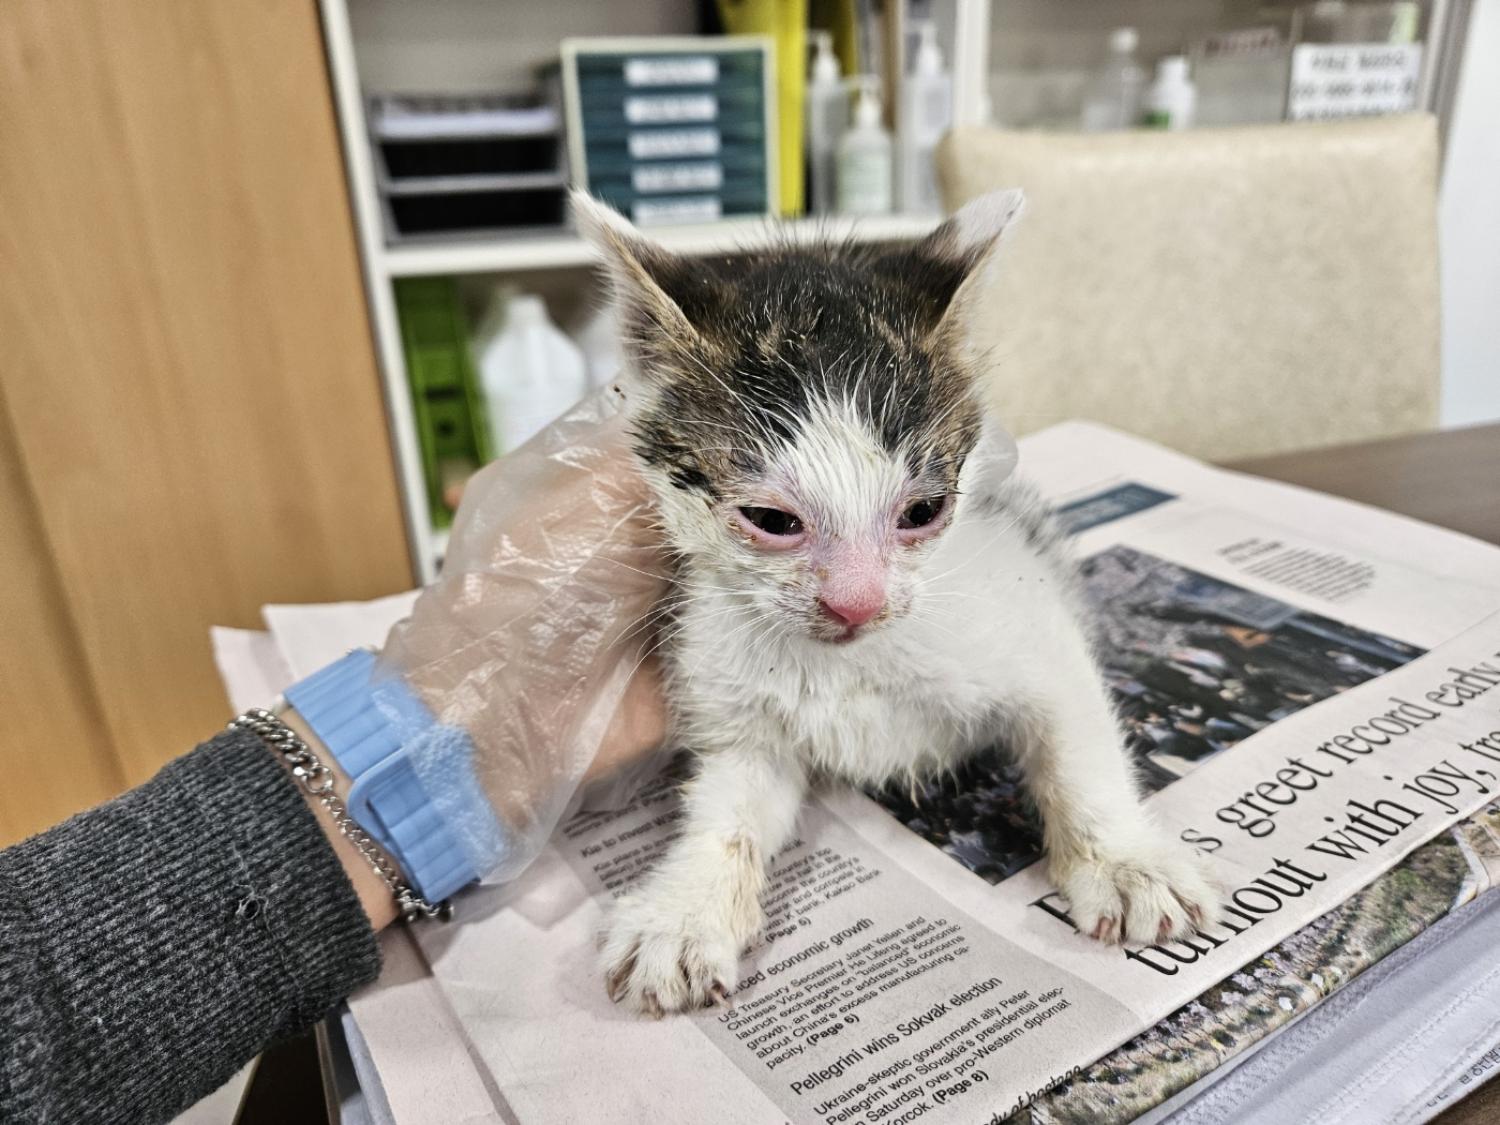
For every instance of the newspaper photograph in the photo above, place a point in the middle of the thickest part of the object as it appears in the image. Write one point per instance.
(1310, 690)
(1269, 993)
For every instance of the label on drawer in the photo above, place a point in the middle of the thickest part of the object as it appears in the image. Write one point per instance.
(661, 109)
(687, 70)
(673, 143)
(703, 176)
(708, 209)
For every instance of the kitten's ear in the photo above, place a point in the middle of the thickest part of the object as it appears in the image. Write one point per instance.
(642, 276)
(962, 252)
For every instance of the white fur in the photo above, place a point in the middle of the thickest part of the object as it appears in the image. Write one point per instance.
(982, 643)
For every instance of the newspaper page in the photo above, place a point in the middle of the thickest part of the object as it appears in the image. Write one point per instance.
(1308, 686)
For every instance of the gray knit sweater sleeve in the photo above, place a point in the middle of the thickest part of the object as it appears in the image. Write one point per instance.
(152, 946)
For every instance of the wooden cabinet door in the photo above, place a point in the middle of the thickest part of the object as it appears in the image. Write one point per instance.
(192, 413)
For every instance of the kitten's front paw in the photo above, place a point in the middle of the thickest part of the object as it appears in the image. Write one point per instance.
(1150, 891)
(661, 957)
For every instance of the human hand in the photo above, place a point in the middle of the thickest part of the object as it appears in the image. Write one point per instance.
(531, 649)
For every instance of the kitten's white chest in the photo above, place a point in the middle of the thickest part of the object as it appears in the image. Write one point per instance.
(840, 720)
(866, 721)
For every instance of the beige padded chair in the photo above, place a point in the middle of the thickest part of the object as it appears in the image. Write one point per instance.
(1228, 292)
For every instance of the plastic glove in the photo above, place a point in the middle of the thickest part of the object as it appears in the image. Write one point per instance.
(529, 651)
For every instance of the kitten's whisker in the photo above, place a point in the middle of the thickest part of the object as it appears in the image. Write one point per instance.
(675, 581)
(672, 634)
(930, 619)
(973, 555)
(672, 603)
(648, 620)
(930, 594)
(636, 569)
(694, 672)
(698, 620)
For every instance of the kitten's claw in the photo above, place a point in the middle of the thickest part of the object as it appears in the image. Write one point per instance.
(650, 1005)
(615, 979)
(659, 960)
(1152, 891)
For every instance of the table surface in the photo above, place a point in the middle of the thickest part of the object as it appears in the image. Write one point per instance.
(1450, 478)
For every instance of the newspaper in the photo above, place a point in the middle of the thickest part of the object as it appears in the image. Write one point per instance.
(1309, 689)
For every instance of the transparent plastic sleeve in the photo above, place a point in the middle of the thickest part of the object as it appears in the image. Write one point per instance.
(528, 650)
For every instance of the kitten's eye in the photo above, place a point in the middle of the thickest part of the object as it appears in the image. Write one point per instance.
(773, 521)
(922, 513)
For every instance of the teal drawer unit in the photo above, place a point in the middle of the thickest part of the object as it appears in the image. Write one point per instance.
(672, 129)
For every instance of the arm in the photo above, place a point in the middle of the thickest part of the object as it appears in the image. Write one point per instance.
(153, 945)
(374, 896)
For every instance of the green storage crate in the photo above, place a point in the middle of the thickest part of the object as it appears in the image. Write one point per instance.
(445, 392)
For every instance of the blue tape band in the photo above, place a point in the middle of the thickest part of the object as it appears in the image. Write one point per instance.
(414, 787)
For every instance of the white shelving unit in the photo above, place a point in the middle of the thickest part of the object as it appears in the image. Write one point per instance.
(459, 45)
(566, 251)
(518, 254)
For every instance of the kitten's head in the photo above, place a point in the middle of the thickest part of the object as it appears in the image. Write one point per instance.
(804, 414)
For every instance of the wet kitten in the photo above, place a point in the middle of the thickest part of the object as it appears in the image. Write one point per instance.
(865, 592)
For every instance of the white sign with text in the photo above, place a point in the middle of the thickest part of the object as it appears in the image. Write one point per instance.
(1353, 79)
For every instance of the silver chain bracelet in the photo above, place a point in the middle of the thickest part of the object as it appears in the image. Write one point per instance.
(317, 779)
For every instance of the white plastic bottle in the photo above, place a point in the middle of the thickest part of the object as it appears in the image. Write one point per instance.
(530, 371)
(1113, 99)
(927, 112)
(1172, 98)
(599, 340)
(827, 117)
(865, 174)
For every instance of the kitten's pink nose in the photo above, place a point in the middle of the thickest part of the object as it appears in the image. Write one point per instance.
(853, 608)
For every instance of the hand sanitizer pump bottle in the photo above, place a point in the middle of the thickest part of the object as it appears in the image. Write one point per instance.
(827, 117)
(927, 112)
(1113, 100)
(865, 174)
